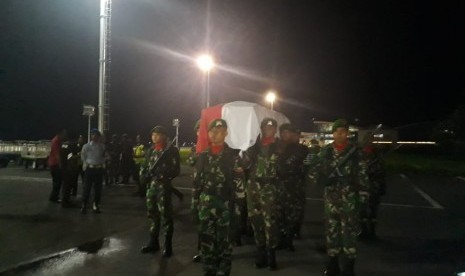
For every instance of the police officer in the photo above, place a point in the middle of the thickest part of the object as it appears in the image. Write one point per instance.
(213, 200)
(345, 186)
(160, 167)
(93, 163)
(262, 189)
(291, 175)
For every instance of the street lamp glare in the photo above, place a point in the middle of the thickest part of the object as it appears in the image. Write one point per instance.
(270, 97)
(205, 63)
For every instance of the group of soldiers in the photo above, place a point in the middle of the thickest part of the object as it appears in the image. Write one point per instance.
(268, 183)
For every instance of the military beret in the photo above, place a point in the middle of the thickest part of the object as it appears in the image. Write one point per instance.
(288, 127)
(159, 129)
(95, 132)
(197, 125)
(340, 123)
(268, 122)
(217, 123)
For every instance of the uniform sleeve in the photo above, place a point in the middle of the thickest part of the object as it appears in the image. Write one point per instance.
(174, 166)
(362, 173)
(84, 154)
(196, 189)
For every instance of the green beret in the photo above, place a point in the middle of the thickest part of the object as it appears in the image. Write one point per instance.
(159, 129)
(197, 125)
(288, 127)
(217, 123)
(340, 123)
(268, 122)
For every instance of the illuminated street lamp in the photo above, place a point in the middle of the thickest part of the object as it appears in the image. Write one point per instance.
(89, 111)
(206, 64)
(271, 97)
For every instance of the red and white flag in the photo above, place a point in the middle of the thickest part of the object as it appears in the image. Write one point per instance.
(243, 119)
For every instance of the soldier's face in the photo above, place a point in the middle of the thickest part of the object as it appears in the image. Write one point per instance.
(158, 137)
(340, 135)
(217, 135)
(285, 135)
(269, 131)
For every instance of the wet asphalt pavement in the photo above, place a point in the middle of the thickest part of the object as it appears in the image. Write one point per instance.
(421, 232)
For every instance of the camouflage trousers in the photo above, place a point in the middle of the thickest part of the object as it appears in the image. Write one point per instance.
(291, 204)
(369, 210)
(263, 213)
(215, 237)
(342, 222)
(160, 208)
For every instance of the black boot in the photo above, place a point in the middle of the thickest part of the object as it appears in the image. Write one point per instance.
(261, 258)
(168, 251)
(372, 229)
(290, 243)
(152, 247)
(348, 267)
(332, 268)
(197, 258)
(272, 260)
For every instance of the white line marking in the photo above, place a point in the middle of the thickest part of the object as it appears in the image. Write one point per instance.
(384, 204)
(461, 178)
(25, 178)
(427, 197)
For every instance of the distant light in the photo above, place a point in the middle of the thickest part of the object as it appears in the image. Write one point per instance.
(205, 63)
(461, 274)
(270, 97)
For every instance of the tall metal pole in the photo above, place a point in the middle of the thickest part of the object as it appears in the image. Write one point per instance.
(207, 87)
(88, 128)
(104, 55)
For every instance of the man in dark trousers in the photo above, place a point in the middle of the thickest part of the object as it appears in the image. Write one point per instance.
(54, 163)
(93, 162)
(160, 168)
(70, 166)
(342, 172)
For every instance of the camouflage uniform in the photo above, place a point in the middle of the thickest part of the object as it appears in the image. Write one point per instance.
(216, 187)
(262, 197)
(377, 188)
(291, 175)
(158, 196)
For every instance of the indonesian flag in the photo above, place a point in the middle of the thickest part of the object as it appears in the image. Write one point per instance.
(243, 119)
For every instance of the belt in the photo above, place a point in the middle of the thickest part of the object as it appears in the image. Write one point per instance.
(95, 166)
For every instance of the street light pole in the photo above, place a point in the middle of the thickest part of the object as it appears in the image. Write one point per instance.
(176, 124)
(206, 64)
(89, 111)
(270, 97)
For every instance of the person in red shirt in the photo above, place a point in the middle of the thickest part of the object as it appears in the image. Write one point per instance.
(54, 163)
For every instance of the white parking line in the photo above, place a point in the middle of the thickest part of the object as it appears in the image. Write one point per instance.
(384, 204)
(427, 197)
(25, 178)
(461, 178)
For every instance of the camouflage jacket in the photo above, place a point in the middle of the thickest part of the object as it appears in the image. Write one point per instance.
(217, 178)
(375, 170)
(166, 169)
(262, 162)
(352, 174)
(291, 161)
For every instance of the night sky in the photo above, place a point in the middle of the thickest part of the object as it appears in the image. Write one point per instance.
(391, 62)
